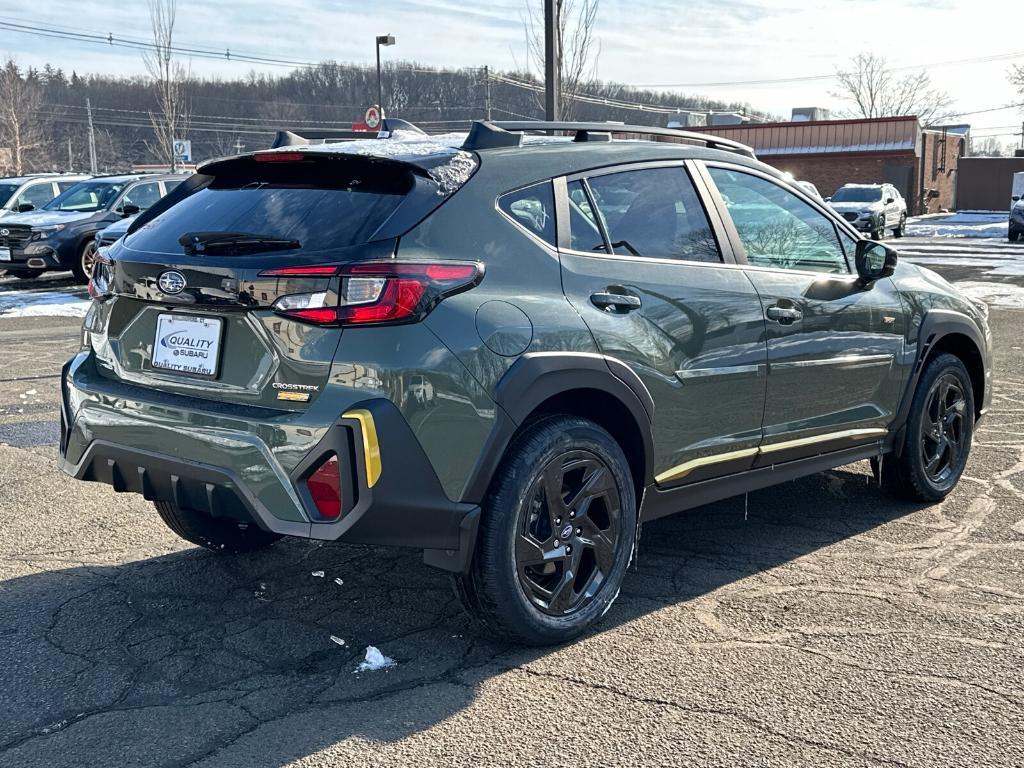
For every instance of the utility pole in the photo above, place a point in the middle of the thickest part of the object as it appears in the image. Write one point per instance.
(71, 162)
(552, 73)
(92, 138)
(487, 92)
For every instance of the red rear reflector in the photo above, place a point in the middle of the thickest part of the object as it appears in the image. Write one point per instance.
(326, 270)
(325, 488)
(279, 157)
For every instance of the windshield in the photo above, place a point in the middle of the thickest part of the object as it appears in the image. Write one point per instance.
(321, 208)
(86, 197)
(6, 190)
(857, 195)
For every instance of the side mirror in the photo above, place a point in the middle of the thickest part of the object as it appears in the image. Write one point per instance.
(1015, 198)
(874, 261)
(890, 200)
(128, 209)
(25, 207)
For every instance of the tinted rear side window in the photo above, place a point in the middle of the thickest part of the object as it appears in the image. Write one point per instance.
(532, 208)
(654, 212)
(339, 205)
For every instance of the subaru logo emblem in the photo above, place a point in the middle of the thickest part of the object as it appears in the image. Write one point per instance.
(567, 532)
(4, 232)
(171, 282)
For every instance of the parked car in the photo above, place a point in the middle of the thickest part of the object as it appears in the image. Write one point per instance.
(62, 234)
(1016, 219)
(507, 354)
(871, 208)
(810, 189)
(19, 194)
(113, 233)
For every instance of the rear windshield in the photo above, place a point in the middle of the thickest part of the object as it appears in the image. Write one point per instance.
(857, 195)
(324, 206)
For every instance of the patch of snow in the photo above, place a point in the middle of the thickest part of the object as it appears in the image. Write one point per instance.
(317, 574)
(453, 174)
(961, 224)
(996, 294)
(339, 582)
(375, 660)
(337, 640)
(43, 304)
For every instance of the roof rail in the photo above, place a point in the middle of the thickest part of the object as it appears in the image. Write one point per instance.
(489, 135)
(303, 136)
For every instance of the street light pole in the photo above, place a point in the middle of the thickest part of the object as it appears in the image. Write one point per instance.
(382, 40)
(552, 56)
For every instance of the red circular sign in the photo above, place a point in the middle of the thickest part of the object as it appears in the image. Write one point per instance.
(372, 116)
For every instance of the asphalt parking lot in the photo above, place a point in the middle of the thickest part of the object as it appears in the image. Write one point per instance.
(821, 624)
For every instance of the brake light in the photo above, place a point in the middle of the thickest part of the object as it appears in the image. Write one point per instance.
(374, 292)
(279, 157)
(325, 488)
(99, 280)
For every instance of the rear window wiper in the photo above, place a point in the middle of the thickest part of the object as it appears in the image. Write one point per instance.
(205, 242)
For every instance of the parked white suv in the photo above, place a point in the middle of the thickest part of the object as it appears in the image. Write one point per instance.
(871, 208)
(19, 194)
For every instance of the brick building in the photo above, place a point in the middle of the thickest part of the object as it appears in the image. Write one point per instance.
(921, 163)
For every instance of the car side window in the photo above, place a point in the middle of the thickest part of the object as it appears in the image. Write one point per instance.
(584, 230)
(142, 195)
(654, 212)
(533, 208)
(36, 195)
(777, 228)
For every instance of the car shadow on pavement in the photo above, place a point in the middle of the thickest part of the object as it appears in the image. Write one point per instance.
(235, 660)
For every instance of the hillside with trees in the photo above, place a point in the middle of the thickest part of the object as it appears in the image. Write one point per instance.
(43, 115)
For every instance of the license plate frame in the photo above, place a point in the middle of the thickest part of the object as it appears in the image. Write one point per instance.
(5, 254)
(202, 341)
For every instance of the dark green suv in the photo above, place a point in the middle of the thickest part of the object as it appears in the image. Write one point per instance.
(507, 350)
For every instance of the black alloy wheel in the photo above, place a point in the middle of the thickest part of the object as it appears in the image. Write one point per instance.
(942, 432)
(565, 548)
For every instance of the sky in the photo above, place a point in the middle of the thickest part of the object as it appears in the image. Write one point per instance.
(676, 43)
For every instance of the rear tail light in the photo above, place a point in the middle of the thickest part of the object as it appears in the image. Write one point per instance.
(325, 488)
(99, 281)
(372, 292)
(279, 157)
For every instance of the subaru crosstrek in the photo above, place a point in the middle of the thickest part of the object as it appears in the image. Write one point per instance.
(508, 351)
(871, 208)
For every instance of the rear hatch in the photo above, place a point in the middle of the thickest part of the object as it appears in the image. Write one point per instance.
(192, 299)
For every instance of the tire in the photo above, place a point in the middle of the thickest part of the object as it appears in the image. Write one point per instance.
(82, 266)
(580, 549)
(218, 534)
(911, 475)
(1014, 234)
(901, 228)
(879, 233)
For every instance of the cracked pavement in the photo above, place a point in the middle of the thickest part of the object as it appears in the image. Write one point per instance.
(832, 626)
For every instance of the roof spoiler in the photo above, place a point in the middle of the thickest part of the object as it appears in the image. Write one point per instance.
(304, 136)
(491, 135)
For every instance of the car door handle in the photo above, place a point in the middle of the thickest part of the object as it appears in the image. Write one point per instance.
(615, 302)
(784, 315)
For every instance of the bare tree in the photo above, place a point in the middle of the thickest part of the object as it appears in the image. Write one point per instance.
(578, 46)
(875, 91)
(171, 118)
(22, 134)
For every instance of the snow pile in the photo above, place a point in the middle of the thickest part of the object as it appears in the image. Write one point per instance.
(43, 304)
(375, 660)
(962, 224)
(453, 174)
(997, 294)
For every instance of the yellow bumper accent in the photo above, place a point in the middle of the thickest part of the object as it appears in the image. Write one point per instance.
(371, 448)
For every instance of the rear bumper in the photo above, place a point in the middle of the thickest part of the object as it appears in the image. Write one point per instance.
(251, 463)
